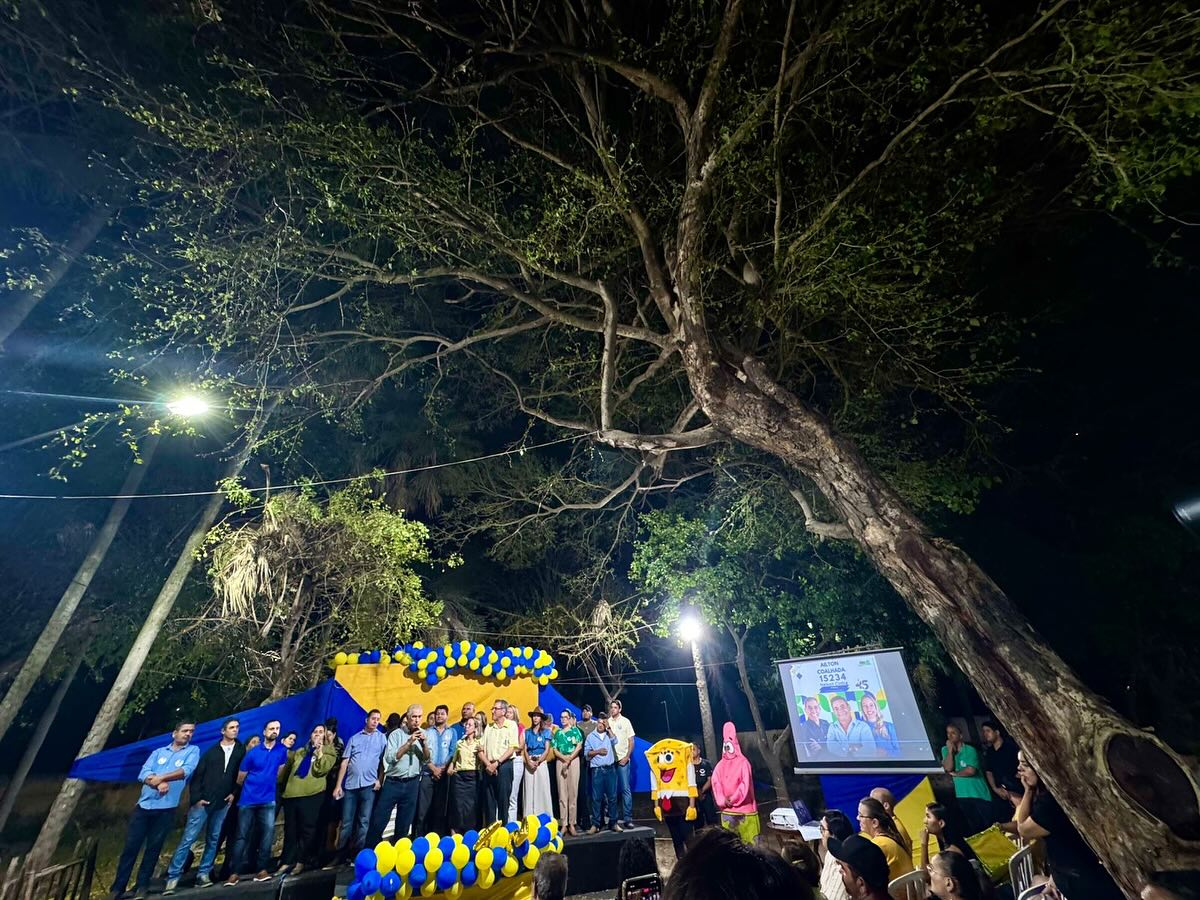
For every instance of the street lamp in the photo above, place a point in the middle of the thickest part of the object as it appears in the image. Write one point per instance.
(691, 629)
(188, 406)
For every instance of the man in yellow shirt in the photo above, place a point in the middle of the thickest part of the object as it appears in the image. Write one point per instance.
(500, 743)
(623, 734)
(888, 799)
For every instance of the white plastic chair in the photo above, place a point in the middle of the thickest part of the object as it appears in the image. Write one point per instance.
(1035, 891)
(912, 886)
(1021, 870)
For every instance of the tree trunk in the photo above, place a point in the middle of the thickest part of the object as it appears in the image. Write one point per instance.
(72, 789)
(21, 303)
(287, 652)
(782, 797)
(36, 661)
(1125, 790)
(706, 714)
(35, 742)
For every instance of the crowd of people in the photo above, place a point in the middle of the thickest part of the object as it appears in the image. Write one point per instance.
(338, 795)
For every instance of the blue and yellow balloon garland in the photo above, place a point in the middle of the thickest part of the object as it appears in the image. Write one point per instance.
(431, 864)
(432, 664)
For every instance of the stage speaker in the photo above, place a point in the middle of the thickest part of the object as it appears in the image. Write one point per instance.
(594, 861)
(317, 885)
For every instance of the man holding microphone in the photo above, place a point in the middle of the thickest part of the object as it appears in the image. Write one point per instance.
(403, 758)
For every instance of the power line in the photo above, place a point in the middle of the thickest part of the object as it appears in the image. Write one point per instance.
(301, 484)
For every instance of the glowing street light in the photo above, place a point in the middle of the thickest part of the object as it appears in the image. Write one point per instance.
(189, 406)
(691, 629)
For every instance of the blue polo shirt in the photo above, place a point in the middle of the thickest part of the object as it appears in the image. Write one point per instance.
(262, 774)
(441, 746)
(598, 741)
(363, 753)
(162, 762)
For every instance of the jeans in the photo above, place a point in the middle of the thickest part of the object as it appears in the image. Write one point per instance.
(604, 787)
(624, 794)
(148, 827)
(264, 815)
(496, 791)
(357, 804)
(208, 819)
(399, 794)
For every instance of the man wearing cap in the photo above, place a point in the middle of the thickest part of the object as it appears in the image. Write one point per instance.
(864, 867)
(586, 725)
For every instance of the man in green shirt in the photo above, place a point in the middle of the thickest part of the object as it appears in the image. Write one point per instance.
(567, 742)
(961, 762)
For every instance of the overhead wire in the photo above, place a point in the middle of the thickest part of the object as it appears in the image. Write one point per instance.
(301, 484)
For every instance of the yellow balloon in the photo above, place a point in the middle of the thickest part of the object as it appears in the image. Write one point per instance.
(448, 649)
(340, 659)
(478, 650)
(463, 646)
(510, 867)
(405, 891)
(433, 860)
(419, 645)
(487, 670)
(462, 660)
(531, 857)
(385, 660)
(451, 662)
(483, 859)
(441, 672)
(385, 857)
(500, 838)
(528, 653)
(553, 828)
(532, 824)
(429, 888)
(454, 889)
(493, 656)
(553, 674)
(433, 837)
(460, 856)
(405, 860)
(404, 844)
(502, 675)
(486, 879)
(351, 660)
(474, 665)
(378, 895)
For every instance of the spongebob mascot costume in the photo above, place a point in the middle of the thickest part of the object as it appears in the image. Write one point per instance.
(672, 782)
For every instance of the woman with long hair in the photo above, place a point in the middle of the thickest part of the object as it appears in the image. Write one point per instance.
(835, 825)
(535, 750)
(303, 796)
(877, 825)
(882, 730)
(1074, 868)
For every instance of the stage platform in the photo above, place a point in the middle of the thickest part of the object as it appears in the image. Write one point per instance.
(593, 860)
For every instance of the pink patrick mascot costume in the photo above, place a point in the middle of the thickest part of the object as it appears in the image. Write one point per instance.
(733, 789)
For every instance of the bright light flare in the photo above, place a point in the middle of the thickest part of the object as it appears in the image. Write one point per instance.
(691, 629)
(189, 406)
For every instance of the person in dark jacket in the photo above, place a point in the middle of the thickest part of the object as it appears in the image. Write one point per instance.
(212, 788)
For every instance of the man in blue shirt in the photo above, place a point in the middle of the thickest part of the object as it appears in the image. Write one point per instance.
(460, 727)
(357, 783)
(433, 803)
(163, 776)
(601, 755)
(847, 735)
(258, 776)
(403, 757)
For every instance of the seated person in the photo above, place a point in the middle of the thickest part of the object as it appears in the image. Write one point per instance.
(879, 828)
(939, 825)
(835, 826)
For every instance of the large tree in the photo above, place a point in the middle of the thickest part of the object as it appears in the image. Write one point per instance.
(667, 227)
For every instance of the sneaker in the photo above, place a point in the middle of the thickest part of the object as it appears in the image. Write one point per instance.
(263, 875)
(203, 881)
(233, 879)
(617, 827)
(629, 824)
(170, 886)
(592, 830)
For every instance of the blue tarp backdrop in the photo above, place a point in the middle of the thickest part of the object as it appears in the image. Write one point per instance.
(297, 713)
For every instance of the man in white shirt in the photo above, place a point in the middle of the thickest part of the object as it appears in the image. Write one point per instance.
(623, 734)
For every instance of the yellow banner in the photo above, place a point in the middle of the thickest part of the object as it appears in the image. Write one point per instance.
(393, 688)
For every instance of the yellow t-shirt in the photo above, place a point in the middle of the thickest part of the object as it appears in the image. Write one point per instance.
(622, 730)
(464, 754)
(899, 862)
(499, 738)
(903, 831)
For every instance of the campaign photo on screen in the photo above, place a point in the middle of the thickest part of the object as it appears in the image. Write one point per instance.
(855, 712)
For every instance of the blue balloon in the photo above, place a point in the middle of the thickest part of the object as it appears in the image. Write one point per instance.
(418, 876)
(412, 667)
(543, 837)
(376, 656)
(446, 875)
(420, 847)
(354, 892)
(370, 882)
(470, 838)
(364, 658)
(390, 885)
(521, 849)
(499, 858)
(512, 826)
(365, 862)
(544, 818)
(469, 874)
(446, 845)
(432, 678)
